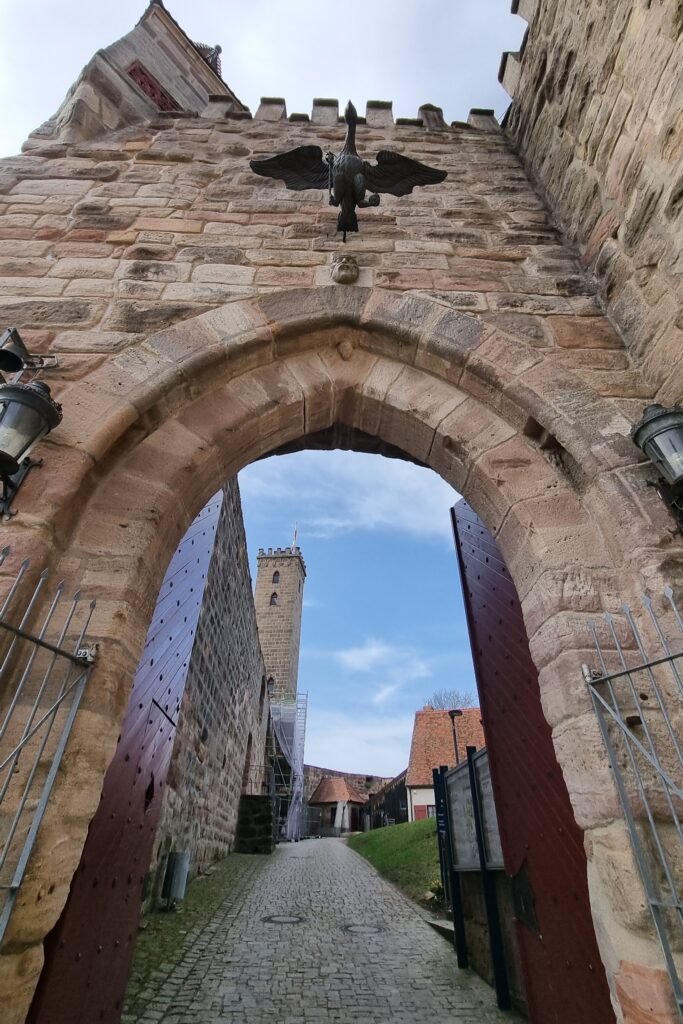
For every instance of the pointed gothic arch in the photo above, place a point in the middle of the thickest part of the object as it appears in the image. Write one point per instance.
(154, 430)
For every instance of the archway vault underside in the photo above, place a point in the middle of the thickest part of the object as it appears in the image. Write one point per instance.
(151, 433)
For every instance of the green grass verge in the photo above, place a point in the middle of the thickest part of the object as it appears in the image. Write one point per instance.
(407, 854)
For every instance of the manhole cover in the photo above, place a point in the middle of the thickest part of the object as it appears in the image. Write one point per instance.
(283, 919)
(363, 929)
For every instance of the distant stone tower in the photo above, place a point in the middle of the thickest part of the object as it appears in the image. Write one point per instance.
(279, 599)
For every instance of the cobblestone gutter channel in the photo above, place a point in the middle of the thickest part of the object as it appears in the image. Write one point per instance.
(171, 945)
(310, 934)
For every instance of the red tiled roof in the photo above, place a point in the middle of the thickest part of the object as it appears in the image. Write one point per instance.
(432, 744)
(330, 790)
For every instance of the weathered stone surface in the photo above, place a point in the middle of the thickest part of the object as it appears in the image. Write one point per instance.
(55, 312)
(596, 116)
(584, 333)
(139, 317)
(649, 986)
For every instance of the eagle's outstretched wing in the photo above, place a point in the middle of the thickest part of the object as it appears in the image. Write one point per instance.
(398, 174)
(299, 168)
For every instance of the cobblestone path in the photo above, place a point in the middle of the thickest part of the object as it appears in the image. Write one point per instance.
(348, 948)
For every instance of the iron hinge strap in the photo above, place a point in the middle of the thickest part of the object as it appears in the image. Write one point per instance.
(158, 706)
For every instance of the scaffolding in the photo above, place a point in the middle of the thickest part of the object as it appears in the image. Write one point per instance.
(288, 716)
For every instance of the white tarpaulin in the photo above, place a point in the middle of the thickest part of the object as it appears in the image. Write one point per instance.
(289, 726)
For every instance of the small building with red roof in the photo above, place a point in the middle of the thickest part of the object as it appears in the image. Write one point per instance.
(340, 805)
(436, 734)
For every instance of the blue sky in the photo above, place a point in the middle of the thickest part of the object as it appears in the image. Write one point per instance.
(408, 51)
(383, 624)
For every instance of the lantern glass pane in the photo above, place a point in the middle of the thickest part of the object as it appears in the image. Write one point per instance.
(20, 427)
(666, 450)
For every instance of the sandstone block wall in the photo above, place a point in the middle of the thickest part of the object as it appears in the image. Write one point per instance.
(280, 578)
(129, 233)
(223, 704)
(597, 116)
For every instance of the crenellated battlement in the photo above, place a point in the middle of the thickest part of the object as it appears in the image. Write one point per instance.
(292, 552)
(325, 112)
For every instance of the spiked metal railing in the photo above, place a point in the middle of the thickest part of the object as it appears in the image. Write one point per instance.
(640, 711)
(42, 678)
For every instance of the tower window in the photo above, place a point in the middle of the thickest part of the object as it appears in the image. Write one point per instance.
(276, 577)
(273, 598)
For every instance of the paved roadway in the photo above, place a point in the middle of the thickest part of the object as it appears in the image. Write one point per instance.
(344, 947)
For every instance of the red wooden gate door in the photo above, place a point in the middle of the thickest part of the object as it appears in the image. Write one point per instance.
(542, 844)
(88, 953)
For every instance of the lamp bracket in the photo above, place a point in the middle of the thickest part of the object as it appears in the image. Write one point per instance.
(673, 498)
(36, 362)
(11, 484)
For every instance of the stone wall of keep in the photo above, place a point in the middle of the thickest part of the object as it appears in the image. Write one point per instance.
(280, 624)
(224, 703)
(110, 240)
(597, 115)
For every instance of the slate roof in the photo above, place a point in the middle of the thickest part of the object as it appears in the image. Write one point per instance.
(432, 743)
(330, 790)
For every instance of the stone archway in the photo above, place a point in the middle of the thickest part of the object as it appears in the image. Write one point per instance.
(151, 433)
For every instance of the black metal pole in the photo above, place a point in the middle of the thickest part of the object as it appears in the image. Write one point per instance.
(500, 976)
(437, 782)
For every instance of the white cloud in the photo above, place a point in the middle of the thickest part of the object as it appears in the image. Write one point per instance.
(366, 492)
(393, 667)
(384, 693)
(376, 744)
(367, 657)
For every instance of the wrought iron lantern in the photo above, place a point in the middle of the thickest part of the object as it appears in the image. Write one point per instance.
(27, 413)
(660, 436)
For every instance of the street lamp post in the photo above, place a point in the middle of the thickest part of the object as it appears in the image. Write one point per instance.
(453, 714)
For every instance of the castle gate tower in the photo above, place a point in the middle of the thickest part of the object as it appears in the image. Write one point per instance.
(279, 600)
(196, 320)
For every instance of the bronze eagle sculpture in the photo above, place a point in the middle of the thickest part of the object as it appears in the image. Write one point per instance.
(346, 175)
